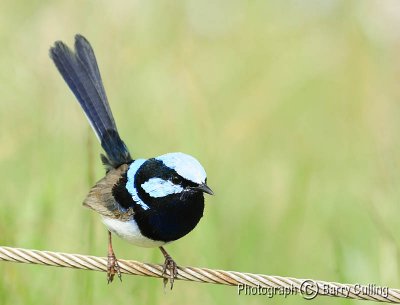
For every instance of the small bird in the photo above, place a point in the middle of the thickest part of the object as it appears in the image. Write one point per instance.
(147, 202)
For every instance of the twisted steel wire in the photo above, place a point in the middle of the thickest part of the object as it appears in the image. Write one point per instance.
(247, 283)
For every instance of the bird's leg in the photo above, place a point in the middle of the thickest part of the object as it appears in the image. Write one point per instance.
(171, 266)
(112, 263)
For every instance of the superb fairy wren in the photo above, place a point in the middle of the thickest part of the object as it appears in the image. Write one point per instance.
(147, 202)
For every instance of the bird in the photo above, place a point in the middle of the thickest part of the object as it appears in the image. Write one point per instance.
(148, 202)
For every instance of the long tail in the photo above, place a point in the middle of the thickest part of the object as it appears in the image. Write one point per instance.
(80, 71)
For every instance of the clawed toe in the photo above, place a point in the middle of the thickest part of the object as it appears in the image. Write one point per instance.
(113, 268)
(112, 263)
(172, 268)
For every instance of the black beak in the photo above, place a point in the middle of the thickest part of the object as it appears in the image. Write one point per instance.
(205, 189)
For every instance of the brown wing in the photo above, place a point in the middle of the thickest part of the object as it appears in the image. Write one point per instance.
(101, 199)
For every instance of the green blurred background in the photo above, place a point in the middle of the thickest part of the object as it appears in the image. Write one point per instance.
(292, 107)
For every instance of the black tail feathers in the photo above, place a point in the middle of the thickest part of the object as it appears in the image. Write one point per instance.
(80, 71)
(117, 152)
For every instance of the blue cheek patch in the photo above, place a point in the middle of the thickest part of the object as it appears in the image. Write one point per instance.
(130, 185)
(157, 187)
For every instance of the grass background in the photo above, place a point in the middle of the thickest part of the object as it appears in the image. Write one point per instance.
(292, 107)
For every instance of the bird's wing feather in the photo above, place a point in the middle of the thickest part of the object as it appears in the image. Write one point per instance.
(101, 199)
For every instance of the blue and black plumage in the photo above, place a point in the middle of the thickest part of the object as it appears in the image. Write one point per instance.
(147, 202)
(80, 71)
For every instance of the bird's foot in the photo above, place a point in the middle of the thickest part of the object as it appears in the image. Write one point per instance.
(172, 268)
(112, 268)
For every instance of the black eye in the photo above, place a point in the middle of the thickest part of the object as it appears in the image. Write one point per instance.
(175, 179)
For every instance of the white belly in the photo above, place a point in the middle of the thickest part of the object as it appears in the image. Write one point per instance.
(129, 231)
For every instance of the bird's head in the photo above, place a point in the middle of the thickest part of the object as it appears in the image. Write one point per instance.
(172, 178)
